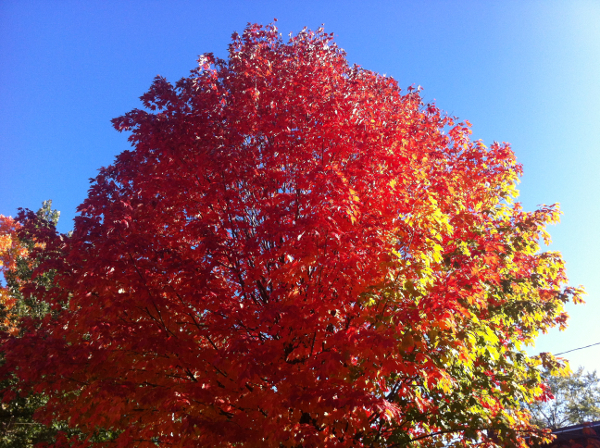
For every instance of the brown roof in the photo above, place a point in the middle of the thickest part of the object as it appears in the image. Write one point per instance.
(578, 436)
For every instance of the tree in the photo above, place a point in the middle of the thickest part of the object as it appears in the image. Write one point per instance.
(17, 265)
(17, 426)
(295, 253)
(576, 400)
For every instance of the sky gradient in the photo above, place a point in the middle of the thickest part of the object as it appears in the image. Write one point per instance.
(524, 72)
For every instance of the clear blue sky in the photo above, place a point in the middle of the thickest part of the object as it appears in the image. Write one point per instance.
(525, 72)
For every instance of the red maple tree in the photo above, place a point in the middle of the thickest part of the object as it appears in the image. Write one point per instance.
(295, 253)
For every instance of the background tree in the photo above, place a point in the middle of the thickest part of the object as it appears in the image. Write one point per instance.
(17, 267)
(576, 400)
(295, 253)
(17, 426)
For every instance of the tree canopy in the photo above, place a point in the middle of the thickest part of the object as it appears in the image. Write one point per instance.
(294, 253)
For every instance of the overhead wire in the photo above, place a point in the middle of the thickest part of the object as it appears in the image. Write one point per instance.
(575, 349)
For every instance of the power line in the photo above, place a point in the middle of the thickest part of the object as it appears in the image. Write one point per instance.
(575, 349)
